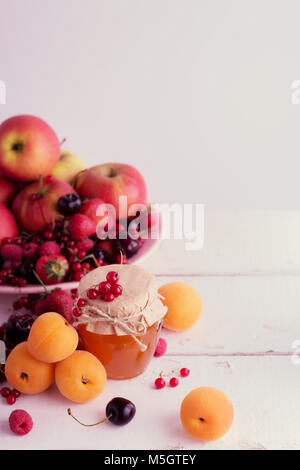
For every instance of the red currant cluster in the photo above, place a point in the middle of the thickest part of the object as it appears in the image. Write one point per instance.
(10, 395)
(107, 290)
(173, 382)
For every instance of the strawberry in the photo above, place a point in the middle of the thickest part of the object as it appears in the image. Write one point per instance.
(49, 248)
(52, 269)
(81, 227)
(58, 301)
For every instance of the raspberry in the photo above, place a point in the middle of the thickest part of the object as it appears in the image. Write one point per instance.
(81, 227)
(31, 250)
(160, 348)
(85, 245)
(49, 248)
(20, 422)
(11, 252)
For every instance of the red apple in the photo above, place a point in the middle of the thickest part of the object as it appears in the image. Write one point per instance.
(89, 208)
(28, 148)
(8, 226)
(7, 190)
(36, 205)
(111, 180)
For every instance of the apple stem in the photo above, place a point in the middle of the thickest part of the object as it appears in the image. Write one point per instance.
(62, 141)
(40, 281)
(88, 425)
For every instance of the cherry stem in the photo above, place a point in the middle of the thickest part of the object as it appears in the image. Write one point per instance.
(122, 256)
(40, 281)
(92, 257)
(88, 425)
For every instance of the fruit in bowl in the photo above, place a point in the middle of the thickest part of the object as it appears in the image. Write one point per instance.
(7, 190)
(28, 148)
(68, 167)
(111, 180)
(36, 205)
(8, 226)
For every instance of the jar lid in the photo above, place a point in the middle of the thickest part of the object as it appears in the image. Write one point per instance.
(138, 308)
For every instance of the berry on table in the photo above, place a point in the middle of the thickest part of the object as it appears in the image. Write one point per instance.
(58, 301)
(16, 393)
(160, 383)
(119, 411)
(184, 372)
(11, 399)
(20, 422)
(5, 391)
(160, 348)
(173, 382)
(18, 328)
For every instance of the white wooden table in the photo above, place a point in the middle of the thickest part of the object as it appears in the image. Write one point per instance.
(248, 275)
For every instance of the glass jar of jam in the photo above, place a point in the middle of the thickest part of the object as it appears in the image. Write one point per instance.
(121, 355)
(122, 333)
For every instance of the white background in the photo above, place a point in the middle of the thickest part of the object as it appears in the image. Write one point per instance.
(196, 94)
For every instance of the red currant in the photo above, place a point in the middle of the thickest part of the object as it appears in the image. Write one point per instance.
(16, 393)
(22, 282)
(104, 287)
(92, 294)
(11, 399)
(5, 391)
(112, 277)
(184, 372)
(78, 276)
(48, 235)
(81, 303)
(117, 290)
(76, 312)
(71, 243)
(109, 297)
(160, 383)
(85, 266)
(76, 267)
(81, 254)
(64, 238)
(173, 382)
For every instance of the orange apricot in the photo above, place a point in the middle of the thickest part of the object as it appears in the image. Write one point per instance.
(52, 338)
(27, 374)
(81, 377)
(183, 303)
(206, 413)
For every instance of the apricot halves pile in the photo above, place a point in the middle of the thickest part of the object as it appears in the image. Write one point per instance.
(50, 354)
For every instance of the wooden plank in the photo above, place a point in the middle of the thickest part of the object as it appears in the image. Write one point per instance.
(241, 315)
(236, 243)
(264, 392)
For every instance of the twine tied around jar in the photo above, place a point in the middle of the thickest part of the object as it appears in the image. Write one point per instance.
(122, 323)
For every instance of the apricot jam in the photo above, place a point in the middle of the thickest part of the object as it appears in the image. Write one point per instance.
(121, 355)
